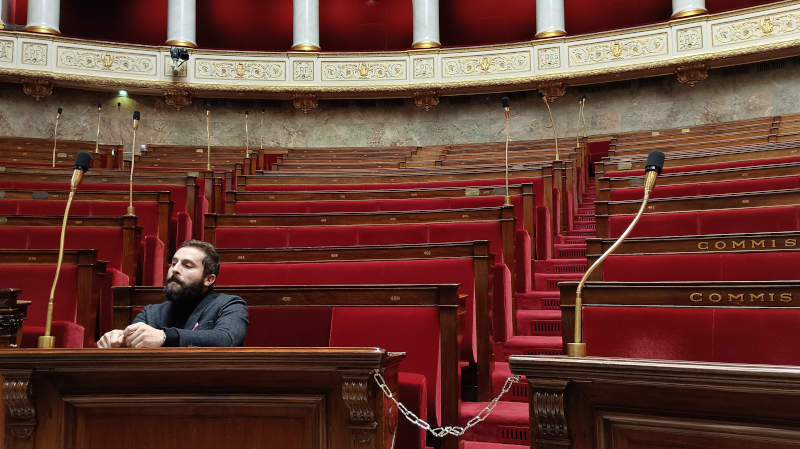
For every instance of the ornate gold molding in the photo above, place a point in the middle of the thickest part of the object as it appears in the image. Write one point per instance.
(553, 89)
(240, 69)
(36, 88)
(42, 30)
(692, 74)
(34, 53)
(105, 61)
(305, 47)
(426, 99)
(688, 13)
(551, 33)
(755, 28)
(180, 43)
(178, 98)
(494, 63)
(305, 101)
(6, 51)
(618, 50)
(365, 70)
(426, 44)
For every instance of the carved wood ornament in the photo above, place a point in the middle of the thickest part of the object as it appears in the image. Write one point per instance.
(178, 98)
(37, 88)
(553, 89)
(306, 102)
(357, 396)
(18, 397)
(551, 416)
(692, 74)
(426, 99)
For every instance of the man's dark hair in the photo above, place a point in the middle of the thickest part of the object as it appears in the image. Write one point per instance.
(210, 261)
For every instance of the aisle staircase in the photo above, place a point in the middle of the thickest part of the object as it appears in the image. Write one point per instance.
(538, 332)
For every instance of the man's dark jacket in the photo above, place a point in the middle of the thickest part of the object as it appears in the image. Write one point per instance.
(218, 320)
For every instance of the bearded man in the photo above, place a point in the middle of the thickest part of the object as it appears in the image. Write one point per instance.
(193, 315)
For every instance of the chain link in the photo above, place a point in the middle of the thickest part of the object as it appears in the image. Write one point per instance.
(440, 432)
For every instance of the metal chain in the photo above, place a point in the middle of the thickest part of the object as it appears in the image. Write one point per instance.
(440, 432)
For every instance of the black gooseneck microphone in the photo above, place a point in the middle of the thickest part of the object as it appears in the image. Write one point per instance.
(555, 134)
(507, 107)
(55, 136)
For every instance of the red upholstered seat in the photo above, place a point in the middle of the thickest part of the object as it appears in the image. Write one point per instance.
(413, 330)
(502, 310)
(289, 327)
(761, 266)
(252, 238)
(392, 235)
(728, 335)
(300, 237)
(35, 282)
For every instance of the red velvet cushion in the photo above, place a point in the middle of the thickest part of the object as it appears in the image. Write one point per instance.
(200, 218)
(777, 266)
(412, 391)
(766, 336)
(108, 241)
(413, 330)
(342, 206)
(655, 225)
(466, 232)
(35, 282)
(420, 204)
(112, 278)
(283, 207)
(544, 248)
(67, 334)
(13, 238)
(502, 310)
(662, 267)
(768, 219)
(289, 327)
(253, 274)
(649, 333)
(522, 255)
(153, 261)
(184, 229)
(301, 237)
(252, 238)
(392, 235)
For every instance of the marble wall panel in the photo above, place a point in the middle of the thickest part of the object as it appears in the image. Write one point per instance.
(671, 104)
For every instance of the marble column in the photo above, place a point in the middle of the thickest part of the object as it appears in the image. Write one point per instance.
(549, 18)
(426, 24)
(306, 25)
(181, 23)
(686, 8)
(3, 13)
(43, 16)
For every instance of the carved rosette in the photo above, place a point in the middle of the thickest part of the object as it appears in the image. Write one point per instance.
(551, 416)
(306, 102)
(37, 88)
(426, 99)
(692, 74)
(178, 98)
(357, 396)
(553, 89)
(18, 396)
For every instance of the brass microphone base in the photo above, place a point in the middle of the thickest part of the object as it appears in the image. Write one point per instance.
(508, 200)
(131, 210)
(47, 342)
(576, 349)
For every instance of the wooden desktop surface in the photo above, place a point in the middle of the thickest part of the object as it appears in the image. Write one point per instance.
(194, 398)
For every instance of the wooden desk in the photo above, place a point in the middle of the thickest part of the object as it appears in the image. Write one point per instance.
(12, 313)
(601, 403)
(313, 398)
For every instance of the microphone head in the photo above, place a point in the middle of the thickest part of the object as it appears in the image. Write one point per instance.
(82, 161)
(59, 110)
(208, 106)
(541, 94)
(655, 162)
(246, 113)
(506, 102)
(99, 105)
(136, 115)
(582, 98)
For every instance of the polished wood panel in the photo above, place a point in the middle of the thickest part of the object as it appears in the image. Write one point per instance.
(616, 403)
(444, 297)
(314, 398)
(12, 313)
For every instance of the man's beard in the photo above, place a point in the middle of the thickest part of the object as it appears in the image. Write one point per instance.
(185, 294)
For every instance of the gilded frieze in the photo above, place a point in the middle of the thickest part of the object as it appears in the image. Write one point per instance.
(240, 70)
(360, 71)
(106, 61)
(549, 58)
(618, 50)
(690, 38)
(423, 68)
(756, 28)
(487, 64)
(303, 71)
(34, 54)
(6, 51)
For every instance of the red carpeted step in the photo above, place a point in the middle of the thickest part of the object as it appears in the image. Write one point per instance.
(581, 217)
(537, 300)
(508, 423)
(518, 391)
(527, 345)
(580, 233)
(560, 266)
(481, 445)
(539, 322)
(549, 282)
(563, 251)
(585, 226)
